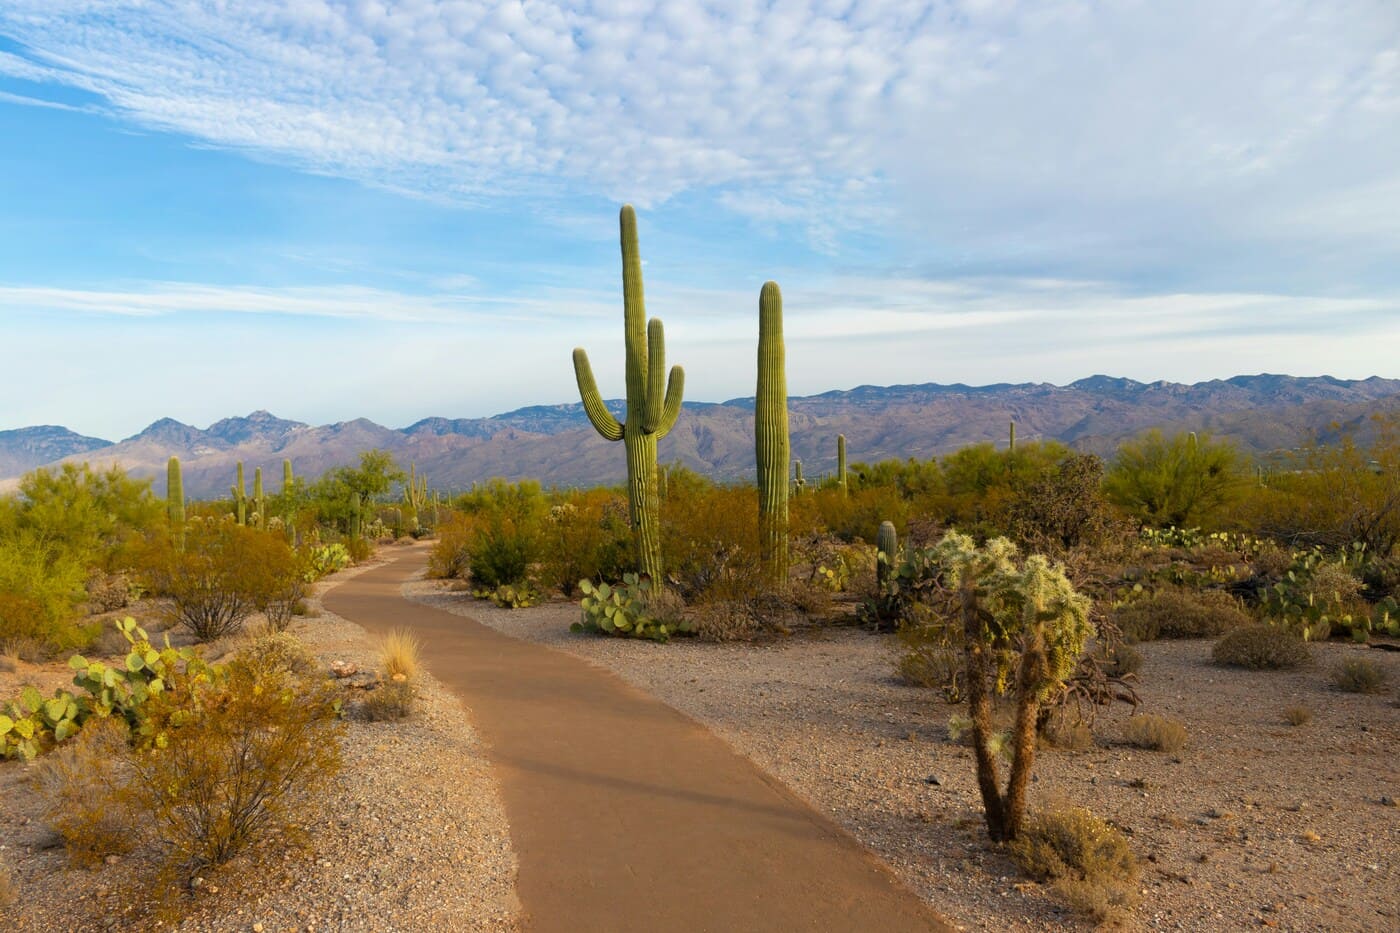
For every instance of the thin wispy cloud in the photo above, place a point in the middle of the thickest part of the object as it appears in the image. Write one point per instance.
(1000, 132)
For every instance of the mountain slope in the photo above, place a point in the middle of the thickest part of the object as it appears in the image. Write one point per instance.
(555, 443)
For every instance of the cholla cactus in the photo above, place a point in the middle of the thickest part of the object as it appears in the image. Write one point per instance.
(653, 402)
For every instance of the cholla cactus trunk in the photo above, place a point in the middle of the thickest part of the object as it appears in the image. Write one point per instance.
(1012, 445)
(175, 502)
(887, 544)
(652, 407)
(841, 462)
(259, 500)
(240, 500)
(772, 448)
(354, 515)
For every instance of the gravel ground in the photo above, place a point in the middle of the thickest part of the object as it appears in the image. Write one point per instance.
(1254, 823)
(413, 836)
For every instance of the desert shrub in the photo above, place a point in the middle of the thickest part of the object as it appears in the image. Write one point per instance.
(398, 654)
(388, 702)
(225, 572)
(235, 755)
(1067, 730)
(1181, 480)
(709, 539)
(1297, 715)
(1158, 733)
(107, 592)
(360, 549)
(9, 890)
(41, 587)
(724, 622)
(1089, 861)
(86, 789)
(1064, 508)
(1261, 647)
(1359, 675)
(586, 536)
(450, 557)
(95, 517)
(1119, 660)
(278, 650)
(1175, 612)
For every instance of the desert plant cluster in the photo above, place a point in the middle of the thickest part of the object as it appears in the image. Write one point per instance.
(1015, 579)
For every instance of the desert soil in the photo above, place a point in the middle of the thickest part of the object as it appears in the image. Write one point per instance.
(412, 837)
(1255, 823)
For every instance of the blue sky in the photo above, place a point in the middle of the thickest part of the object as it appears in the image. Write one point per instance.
(400, 209)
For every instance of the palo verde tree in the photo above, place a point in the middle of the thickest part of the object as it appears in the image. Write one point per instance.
(1179, 480)
(653, 401)
(1024, 629)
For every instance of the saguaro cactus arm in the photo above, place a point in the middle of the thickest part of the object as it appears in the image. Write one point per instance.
(602, 420)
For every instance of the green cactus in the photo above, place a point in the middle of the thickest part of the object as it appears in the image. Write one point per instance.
(1012, 445)
(651, 410)
(259, 500)
(175, 502)
(288, 496)
(887, 552)
(240, 500)
(772, 449)
(354, 514)
(415, 497)
(798, 483)
(841, 463)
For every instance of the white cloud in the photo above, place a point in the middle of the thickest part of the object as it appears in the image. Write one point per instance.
(1120, 134)
(177, 349)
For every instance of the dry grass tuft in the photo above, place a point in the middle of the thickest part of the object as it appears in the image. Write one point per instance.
(389, 701)
(398, 653)
(1298, 715)
(1069, 732)
(1155, 732)
(86, 788)
(9, 891)
(1088, 860)
(1358, 675)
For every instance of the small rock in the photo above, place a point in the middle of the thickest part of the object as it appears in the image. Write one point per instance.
(933, 779)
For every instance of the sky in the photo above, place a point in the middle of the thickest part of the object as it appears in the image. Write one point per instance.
(334, 209)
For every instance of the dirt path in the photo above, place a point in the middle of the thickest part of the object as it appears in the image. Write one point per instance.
(625, 814)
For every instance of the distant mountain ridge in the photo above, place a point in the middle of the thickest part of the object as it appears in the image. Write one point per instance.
(556, 444)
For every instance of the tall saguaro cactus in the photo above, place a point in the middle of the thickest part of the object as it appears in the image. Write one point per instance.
(240, 499)
(354, 515)
(651, 409)
(259, 500)
(771, 442)
(1012, 446)
(175, 501)
(288, 499)
(841, 463)
(415, 496)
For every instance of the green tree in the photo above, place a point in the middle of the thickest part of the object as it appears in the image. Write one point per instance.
(1181, 480)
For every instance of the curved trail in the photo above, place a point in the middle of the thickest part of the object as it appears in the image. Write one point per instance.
(625, 814)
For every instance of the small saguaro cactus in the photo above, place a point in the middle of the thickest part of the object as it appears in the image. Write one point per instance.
(354, 515)
(240, 499)
(259, 500)
(288, 498)
(415, 496)
(652, 409)
(887, 550)
(841, 463)
(798, 483)
(772, 446)
(175, 501)
(1012, 445)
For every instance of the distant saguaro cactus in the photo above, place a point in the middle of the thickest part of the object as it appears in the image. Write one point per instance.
(354, 514)
(798, 483)
(175, 501)
(841, 462)
(651, 409)
(772, 446)
(1012, 446)
(259, 500)
(415, 496)
(240, 499)
(289, 501)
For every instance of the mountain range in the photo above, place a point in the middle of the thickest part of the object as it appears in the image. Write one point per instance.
(555, 443)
